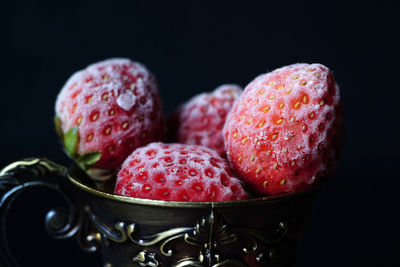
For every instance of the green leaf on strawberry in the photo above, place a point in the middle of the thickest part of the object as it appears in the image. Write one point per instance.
(57, 125)
(71, 140)
(88, 159)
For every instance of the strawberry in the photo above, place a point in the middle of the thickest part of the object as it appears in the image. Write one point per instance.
(284, 132)
(106, 111)
(178, 172)
(201, 119)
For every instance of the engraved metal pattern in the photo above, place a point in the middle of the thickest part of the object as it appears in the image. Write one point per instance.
(209, 235)
(194, 263)
(60, 223)
(118, 233)
(145, 258)
(255, 236)
(165, 238)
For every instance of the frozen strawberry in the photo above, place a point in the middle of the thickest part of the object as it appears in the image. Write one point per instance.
(201, 119)
(178, 172)
(285, 130)
(106, 111)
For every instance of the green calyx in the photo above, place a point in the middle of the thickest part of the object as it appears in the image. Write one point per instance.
(71, 141)
(88, 159)
(57, 126)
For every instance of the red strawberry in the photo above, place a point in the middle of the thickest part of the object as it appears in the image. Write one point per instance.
(284, 131)
(106, 111)
(178, 172)
(201, 119)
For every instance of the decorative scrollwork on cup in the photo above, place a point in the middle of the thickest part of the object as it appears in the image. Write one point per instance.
(145, 258)
(209, 235)
(60, 223)
(190, 262)
(118, 233)
(165, 238)
(267, 255)
(268, 240)
(58, 226)
(36, 166)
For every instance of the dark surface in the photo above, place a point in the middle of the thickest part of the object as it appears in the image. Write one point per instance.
(193, 47)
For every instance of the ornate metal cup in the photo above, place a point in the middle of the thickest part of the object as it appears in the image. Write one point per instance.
(140, 232)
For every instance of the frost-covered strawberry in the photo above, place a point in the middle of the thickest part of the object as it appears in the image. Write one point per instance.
(178, 172)
(285, 130)
(201, 119)
(106, 111)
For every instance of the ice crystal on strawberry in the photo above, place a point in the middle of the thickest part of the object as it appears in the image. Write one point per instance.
(106, 111)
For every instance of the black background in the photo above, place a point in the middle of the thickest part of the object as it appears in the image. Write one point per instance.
(194, 46)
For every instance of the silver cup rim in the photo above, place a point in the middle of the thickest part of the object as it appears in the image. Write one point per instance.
(188, 204)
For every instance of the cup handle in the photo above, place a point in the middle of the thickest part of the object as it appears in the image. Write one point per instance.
(60, 223)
